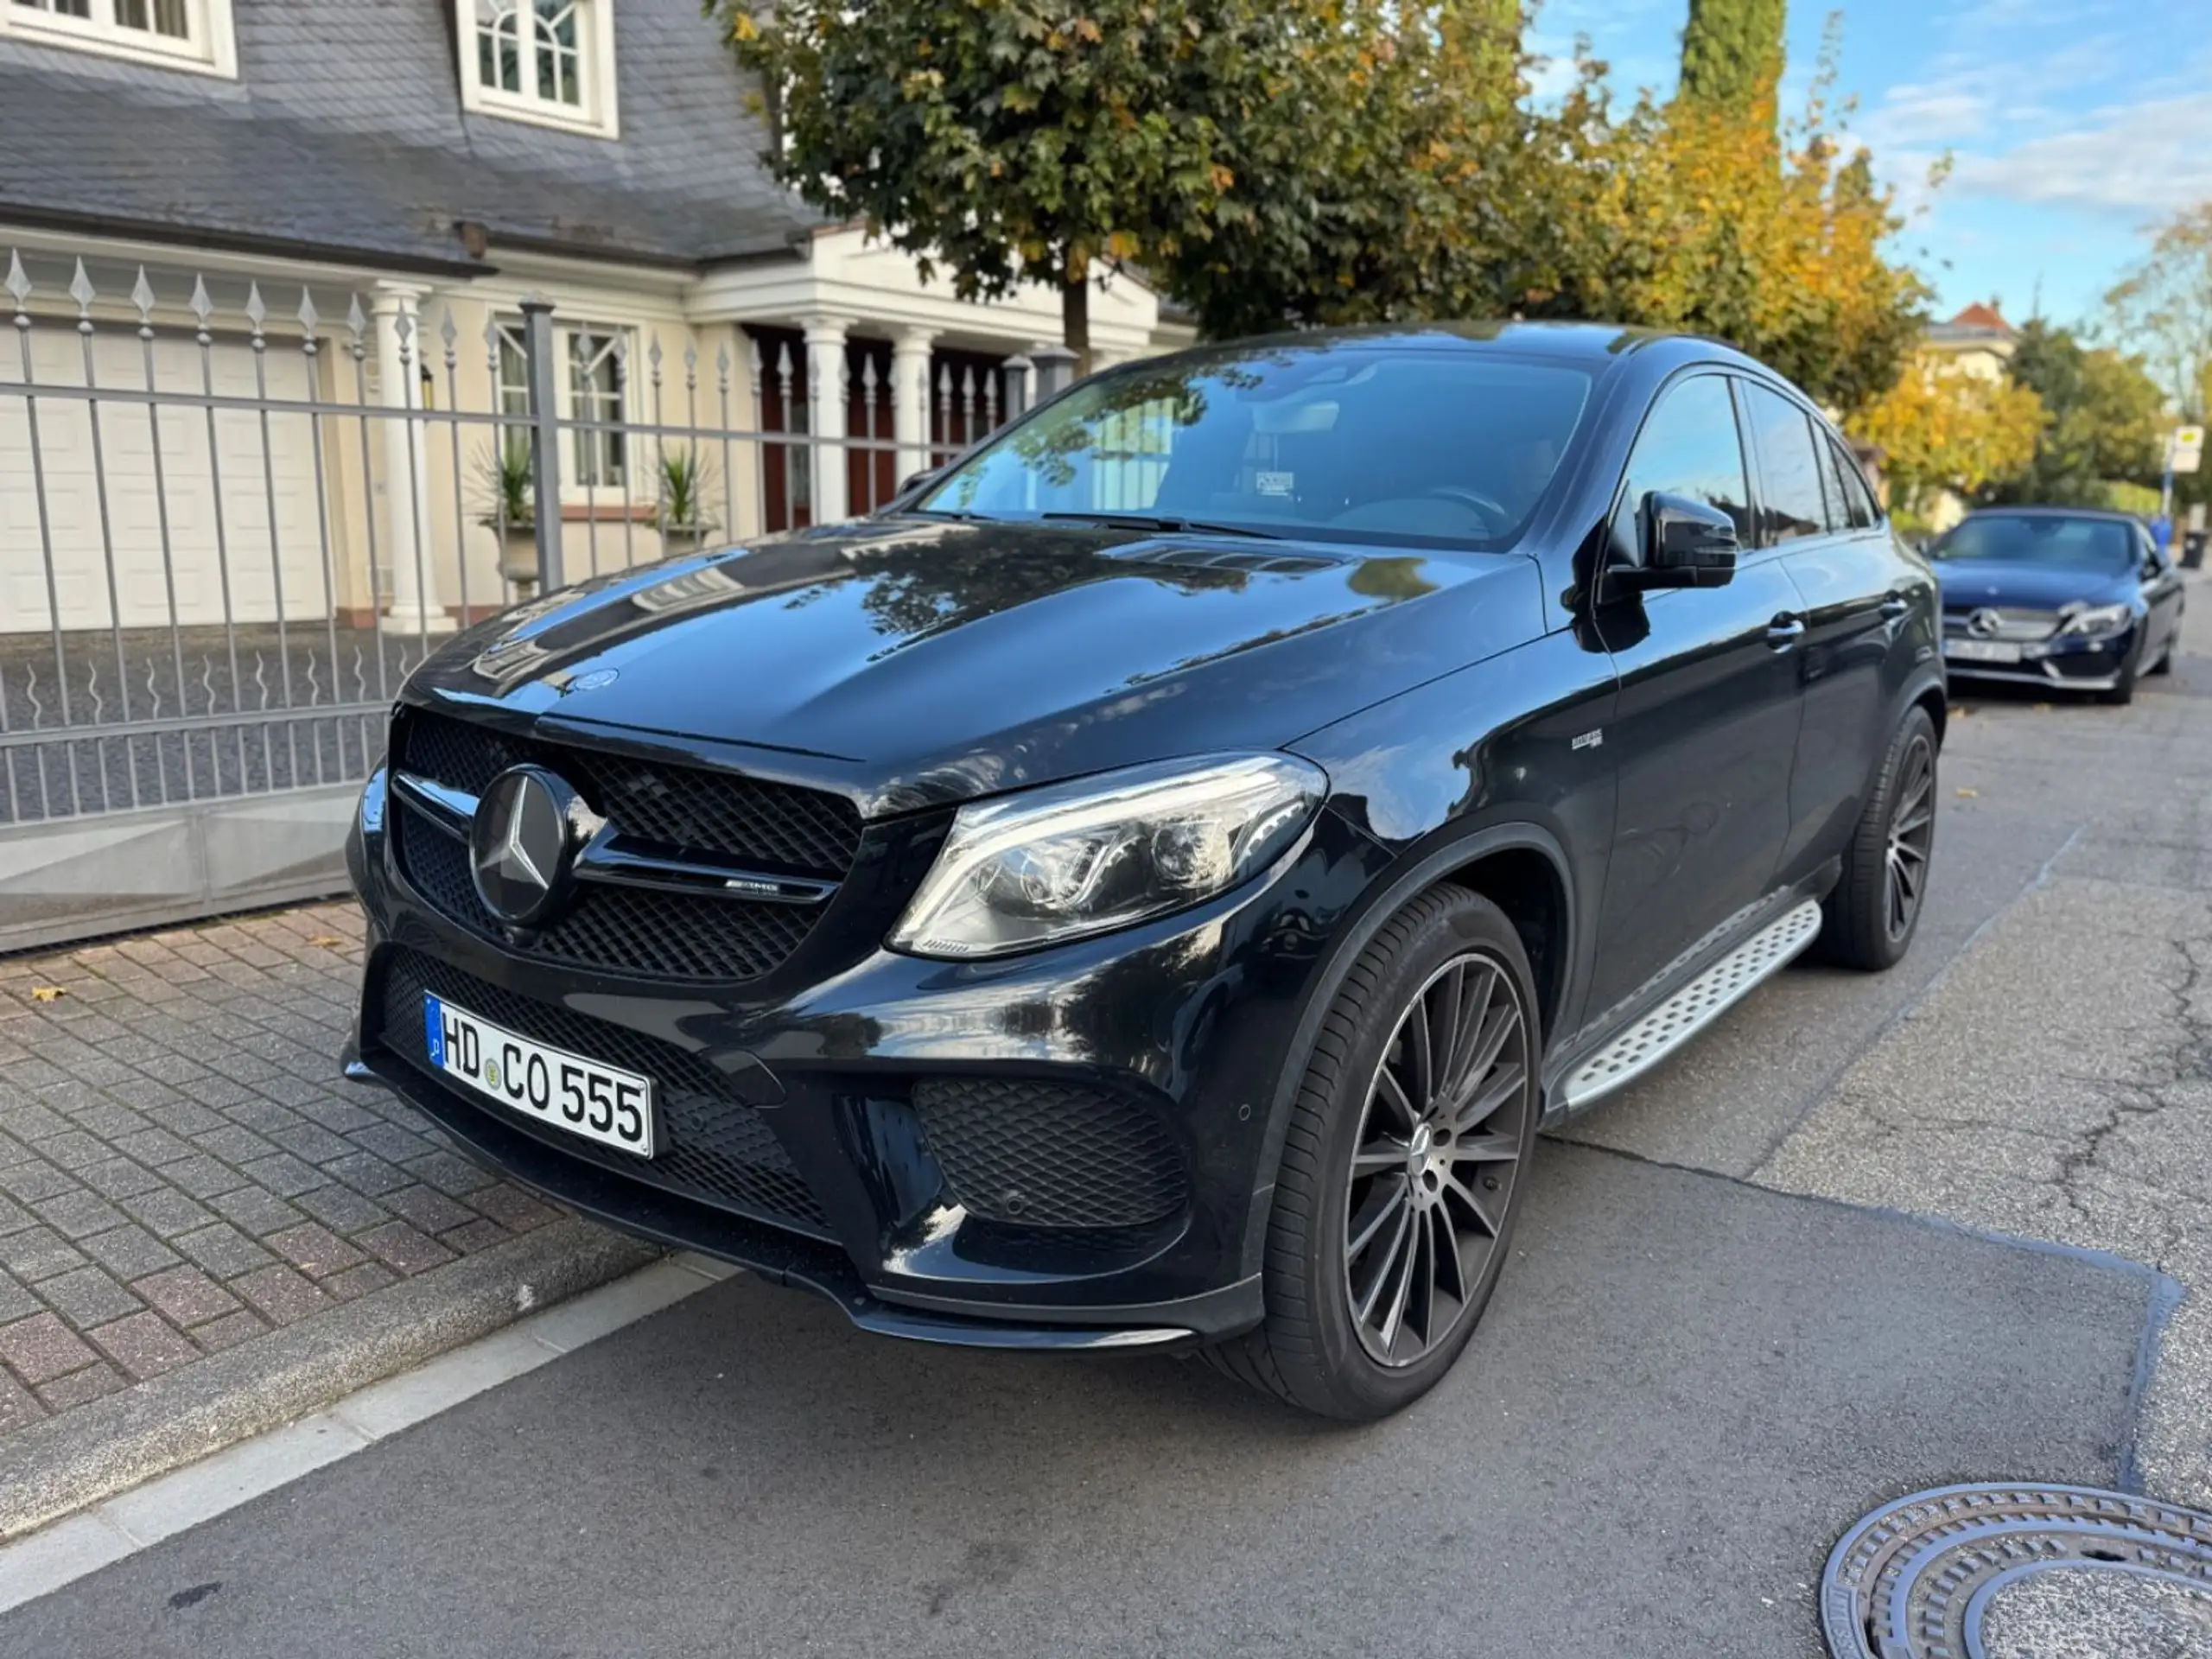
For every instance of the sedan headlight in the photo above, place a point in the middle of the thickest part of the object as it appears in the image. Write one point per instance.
(1106, 852)
(2098, 619)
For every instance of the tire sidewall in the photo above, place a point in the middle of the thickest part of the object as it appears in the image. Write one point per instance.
(1916, 722)
(1465, 922)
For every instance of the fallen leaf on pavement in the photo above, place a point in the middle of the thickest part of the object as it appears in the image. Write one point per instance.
(327, 941)
(2043, 707)
(47, 992)
(1961, 713)
(1968, 794)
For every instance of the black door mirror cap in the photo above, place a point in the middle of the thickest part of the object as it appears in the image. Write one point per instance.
(1685, 542)
(914, 481)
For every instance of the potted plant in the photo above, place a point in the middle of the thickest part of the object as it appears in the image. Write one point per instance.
(683, 511)
(509, 510)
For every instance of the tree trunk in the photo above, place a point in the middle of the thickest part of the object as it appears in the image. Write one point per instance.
(1075, 320)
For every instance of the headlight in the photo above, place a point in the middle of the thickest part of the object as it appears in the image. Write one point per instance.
(1106, 852)
(2098, 619)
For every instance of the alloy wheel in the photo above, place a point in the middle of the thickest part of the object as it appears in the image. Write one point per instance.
(1435, 1157)
(1912, 832)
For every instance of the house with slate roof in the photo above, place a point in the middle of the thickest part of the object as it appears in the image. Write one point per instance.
(438, 160)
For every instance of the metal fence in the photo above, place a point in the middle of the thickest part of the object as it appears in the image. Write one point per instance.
(229, 528)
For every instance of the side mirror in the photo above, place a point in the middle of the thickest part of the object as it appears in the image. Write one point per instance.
(915, 481)
(1685, 544)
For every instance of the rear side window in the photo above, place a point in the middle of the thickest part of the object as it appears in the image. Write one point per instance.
(1858, 498)
(1791, 504)
(1833, 489)
(1689, 446)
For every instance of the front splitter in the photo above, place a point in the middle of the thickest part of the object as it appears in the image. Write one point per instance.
(675, 1223)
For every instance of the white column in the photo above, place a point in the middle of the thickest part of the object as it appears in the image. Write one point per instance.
(825, 386)
(415, 607)
(909, 398)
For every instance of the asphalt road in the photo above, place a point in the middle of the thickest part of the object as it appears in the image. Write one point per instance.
(1745, 1309)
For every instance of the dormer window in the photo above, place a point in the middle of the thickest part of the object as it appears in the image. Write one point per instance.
(177, 33)
(550, 61)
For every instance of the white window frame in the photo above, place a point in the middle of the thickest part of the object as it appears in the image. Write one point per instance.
(595, 115)
(515, 400)
(210, 47)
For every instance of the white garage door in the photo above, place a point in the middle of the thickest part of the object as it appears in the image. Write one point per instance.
(264, 547)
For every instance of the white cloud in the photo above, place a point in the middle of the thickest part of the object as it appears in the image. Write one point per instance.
(2145, 157)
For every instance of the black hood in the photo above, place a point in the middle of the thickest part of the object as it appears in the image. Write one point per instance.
(911, 661)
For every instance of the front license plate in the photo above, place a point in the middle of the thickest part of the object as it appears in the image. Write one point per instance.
(1981, 650)
(599, 1102)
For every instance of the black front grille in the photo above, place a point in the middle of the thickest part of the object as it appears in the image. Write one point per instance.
(713, 1146)
(1043, 1154)
(772, 826)
(627, 930)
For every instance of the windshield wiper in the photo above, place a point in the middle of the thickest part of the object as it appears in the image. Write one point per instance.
(1160, 521)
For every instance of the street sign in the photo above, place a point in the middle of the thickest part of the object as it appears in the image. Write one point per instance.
(2185, 449)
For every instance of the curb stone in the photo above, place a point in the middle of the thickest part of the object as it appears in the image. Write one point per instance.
(72, 1461)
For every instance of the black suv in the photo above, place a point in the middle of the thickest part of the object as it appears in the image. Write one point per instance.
(1146, 888)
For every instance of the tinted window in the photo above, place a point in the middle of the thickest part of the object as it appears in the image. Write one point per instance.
(1859, 498)
(1377, 444)
(1790, 502)
(2050, 539)
(1833, 490)
(1689, 447)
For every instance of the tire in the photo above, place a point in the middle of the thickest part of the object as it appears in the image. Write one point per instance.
(1860, 924)
(1315, 1349)
(2124, 692)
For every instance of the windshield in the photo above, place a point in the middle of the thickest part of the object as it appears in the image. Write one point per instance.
(1339, 443)
(2041, 538)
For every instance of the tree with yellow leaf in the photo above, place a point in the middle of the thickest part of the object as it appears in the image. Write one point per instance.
(1941, 429)
(1701, 214)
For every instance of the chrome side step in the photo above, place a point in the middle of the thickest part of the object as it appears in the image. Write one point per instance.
(1692, 1008)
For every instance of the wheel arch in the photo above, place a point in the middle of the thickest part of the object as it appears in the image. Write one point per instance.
(1499, 858)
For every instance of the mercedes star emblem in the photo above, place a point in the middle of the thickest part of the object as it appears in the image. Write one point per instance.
(519, 845)
(1984, 622)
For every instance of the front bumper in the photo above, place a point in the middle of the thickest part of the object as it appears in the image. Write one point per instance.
(2061, 662)
(1187, 1021)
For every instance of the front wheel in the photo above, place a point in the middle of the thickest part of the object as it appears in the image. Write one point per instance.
(1869, 921)
(1403, 1166)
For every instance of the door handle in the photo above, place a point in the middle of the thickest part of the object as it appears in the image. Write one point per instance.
(1895, 607)
(1784, 632)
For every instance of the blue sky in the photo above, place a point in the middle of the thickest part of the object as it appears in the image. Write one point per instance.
(2073, 124)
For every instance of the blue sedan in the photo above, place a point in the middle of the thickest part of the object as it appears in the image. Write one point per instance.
(2057, 596)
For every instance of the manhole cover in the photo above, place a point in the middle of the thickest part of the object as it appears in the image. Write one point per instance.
(2021, 1573)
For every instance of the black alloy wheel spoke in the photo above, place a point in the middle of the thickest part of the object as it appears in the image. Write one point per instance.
(1436, 1153)
(1912, 827)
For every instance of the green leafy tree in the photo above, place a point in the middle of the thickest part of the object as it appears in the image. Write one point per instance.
(2163, 310)
(2105, 427)
(1732, 52)
(1396, 177)
(1038, 139)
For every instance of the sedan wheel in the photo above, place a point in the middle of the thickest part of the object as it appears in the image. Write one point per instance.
(1434, 1161)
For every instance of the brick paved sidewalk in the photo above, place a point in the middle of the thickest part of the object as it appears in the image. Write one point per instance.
(183, 1170)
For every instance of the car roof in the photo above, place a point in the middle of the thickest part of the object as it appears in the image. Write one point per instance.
(1594, 344)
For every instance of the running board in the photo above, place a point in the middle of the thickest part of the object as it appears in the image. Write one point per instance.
(1692, 1008)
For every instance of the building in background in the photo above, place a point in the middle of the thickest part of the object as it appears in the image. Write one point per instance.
(436, 161)
(1978, 341)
